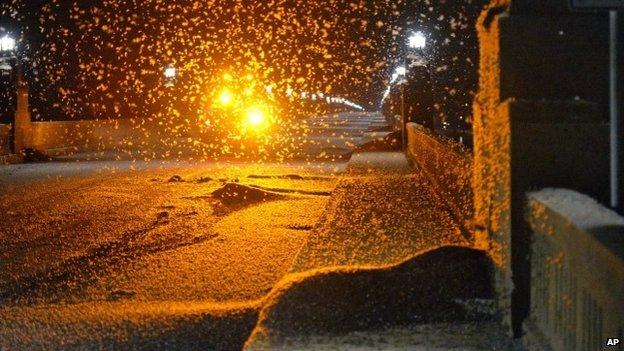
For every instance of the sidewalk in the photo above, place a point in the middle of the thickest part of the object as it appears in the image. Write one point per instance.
(382, 213)
(386, 269)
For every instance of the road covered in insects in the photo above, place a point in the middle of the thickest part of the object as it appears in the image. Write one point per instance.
(154, 231)
(192, 255)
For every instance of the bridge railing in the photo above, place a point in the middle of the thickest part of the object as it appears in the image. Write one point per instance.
(577, 279)
(448, 167)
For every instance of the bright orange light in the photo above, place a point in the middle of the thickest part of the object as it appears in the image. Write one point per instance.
(256, 117)
(226, 98)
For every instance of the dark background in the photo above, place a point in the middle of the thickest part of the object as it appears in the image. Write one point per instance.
(104, 59)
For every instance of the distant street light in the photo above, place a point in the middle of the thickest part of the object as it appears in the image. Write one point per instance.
(398, 72)
(7, 44)
(225, 98)
(417, 41)
(8, 58)
(171, 74)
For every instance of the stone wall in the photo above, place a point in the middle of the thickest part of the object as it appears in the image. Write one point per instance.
(577, 295)
(448, 165)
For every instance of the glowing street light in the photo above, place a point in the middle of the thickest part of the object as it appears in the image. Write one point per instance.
(225, 98)
(171, 72)
(255, 116)
(417, 41)
(256, 119)
(7, 44)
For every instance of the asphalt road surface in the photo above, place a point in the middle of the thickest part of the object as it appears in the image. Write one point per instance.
(188, 254)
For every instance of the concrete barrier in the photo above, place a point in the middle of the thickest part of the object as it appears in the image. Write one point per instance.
(62, 137)
(526, 145)
(577, 258)
(81, 135)
(448, 165)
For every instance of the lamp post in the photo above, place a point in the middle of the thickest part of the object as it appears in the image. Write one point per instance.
(416, 42)
(8, 47)
(9, 61)
(399, 74)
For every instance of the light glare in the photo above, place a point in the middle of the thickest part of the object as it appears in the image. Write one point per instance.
(225, 99)
(417, 41)
(7, 44)
(171, 72)
(255, 117)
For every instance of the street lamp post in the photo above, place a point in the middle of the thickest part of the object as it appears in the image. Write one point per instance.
(9, 61)
(8, 47)
(415, 42)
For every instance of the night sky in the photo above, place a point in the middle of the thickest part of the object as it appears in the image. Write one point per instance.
(104, 59)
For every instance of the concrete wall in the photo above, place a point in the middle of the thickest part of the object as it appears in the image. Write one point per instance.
(532, 145)
(550, 57)
(522, 144)
(137, 137)
(448, 166)
(90, 135)
(577, 295)
(81, 135)
(128, 137)
(74, 135)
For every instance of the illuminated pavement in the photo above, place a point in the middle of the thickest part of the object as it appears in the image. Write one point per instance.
(142, 254)
(153, 231)
(150, 254)
(122, 223)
